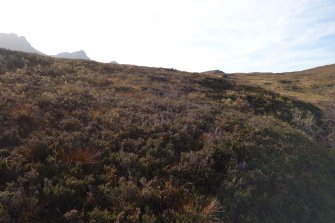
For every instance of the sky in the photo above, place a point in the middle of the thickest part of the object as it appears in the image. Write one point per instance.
(190, 35)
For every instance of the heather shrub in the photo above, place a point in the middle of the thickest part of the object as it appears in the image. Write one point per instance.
(82, 141)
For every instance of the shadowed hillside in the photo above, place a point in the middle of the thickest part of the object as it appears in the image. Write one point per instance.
(82, 141)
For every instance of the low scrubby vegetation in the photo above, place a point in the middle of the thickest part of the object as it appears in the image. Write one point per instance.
(82, 141)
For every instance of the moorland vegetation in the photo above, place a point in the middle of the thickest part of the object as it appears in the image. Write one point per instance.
(82, 141)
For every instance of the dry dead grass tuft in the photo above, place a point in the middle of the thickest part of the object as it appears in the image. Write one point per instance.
(86, 156)
(212, 210)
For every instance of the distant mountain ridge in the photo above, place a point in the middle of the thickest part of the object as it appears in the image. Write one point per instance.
(19, 43)
(75, 55)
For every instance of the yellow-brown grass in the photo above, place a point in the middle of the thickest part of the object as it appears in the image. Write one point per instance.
(315, 86)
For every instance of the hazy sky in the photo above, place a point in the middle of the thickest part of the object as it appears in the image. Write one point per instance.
(192, 35)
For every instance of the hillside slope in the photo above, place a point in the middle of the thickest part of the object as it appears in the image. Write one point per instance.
(314, 85)
(82, 141)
